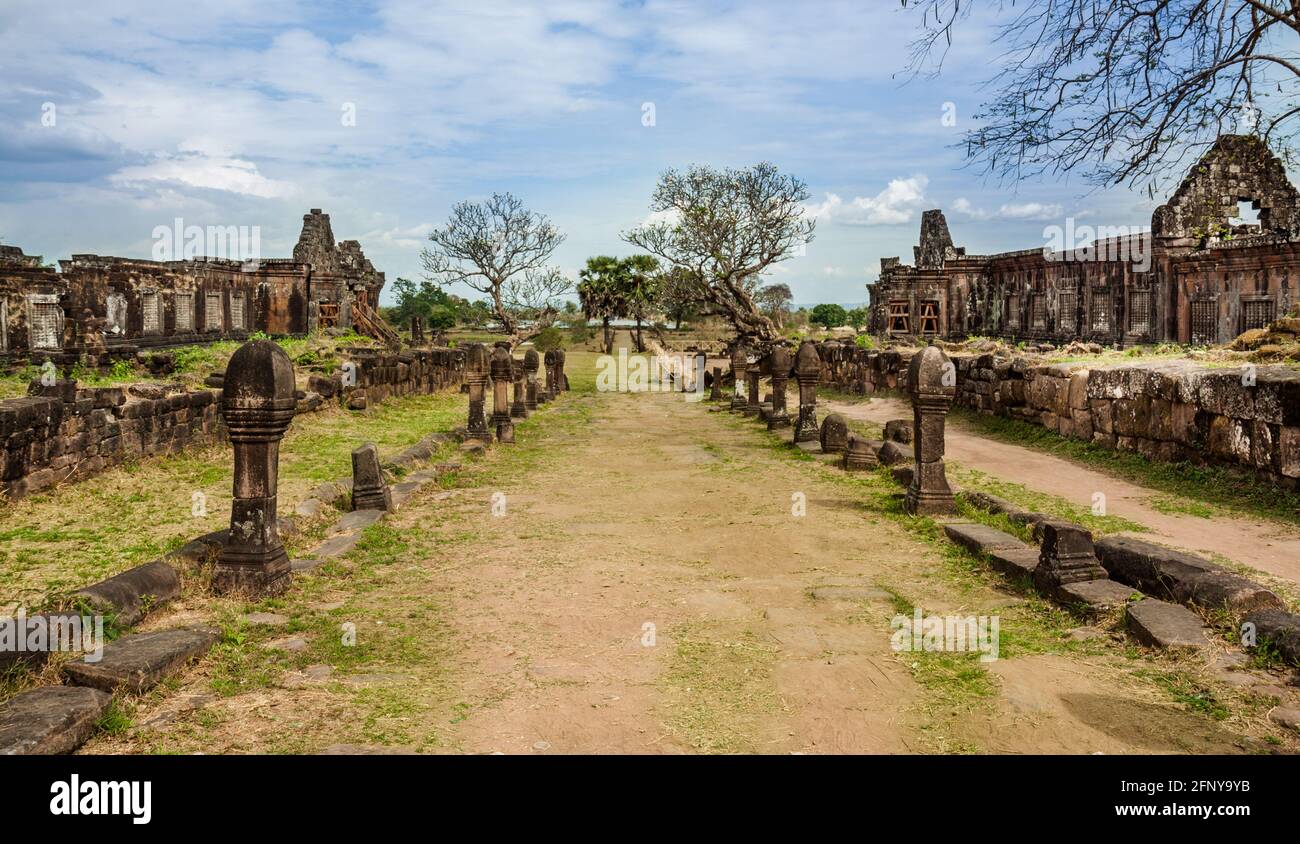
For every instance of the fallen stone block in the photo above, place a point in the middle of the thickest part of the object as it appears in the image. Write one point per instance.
(981, 539)
(50, 720)
(1181, 577)
(201, 551)
(139, 661)
(902, 475)
(1225, 590)
(356, 520)
(1279, 629)
(891, 453)
(134, 592)
(899, 431)
(336, 546)
(1160, 624)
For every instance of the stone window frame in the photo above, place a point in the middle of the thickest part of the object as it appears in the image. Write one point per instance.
(179, 300)
(44, 300)
(1067, 310)
(900, 313)
(1211, 336)
(238, 310)
(151, 295)
(1100, 294)
(1139, 304)
(1013, 310)
(209, 325)
(928, 317)
(1250, 303)
(1038, 311)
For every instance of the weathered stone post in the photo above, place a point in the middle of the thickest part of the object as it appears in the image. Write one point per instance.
(1067, 556)
(549, 361)
(752, 376)
(502, 373)
(715, 391)
(476, 376)
(834, 433)
(530, 373)
(369, 489)
(257, 405)
(561, 380)
(932, 383)
(739, 364)
(807, 371)
(780, 364)
(518, 408)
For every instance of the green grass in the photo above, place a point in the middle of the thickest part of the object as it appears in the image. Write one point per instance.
(1034, 501)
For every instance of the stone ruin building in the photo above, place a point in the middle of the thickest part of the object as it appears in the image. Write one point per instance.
(99, 306)
(1193, 278)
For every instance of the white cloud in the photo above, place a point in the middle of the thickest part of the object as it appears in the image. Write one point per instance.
(197, 170)
(900, 199)
(1008, 211)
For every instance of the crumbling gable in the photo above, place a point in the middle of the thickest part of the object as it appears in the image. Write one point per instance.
(1238, 168)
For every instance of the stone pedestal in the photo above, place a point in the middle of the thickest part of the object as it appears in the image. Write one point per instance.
(932, 384)
(1067, 556)
(369, 488)
(502, 372)
(715, 390)
(530, 376)
(477, 365)
(257, 405)
(518, 407)
(859, 453)
(807, 371)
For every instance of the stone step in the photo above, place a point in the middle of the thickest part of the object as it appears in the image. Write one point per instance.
(137, 662)
(982, 539)
(1015, 562)
(1100, 594)
(1160, 624)
(50, 720)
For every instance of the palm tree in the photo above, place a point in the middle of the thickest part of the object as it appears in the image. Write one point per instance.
(641, 288)
(600, 293)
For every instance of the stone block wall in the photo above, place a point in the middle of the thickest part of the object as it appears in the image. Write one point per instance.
(1163, 410)
(63, 433)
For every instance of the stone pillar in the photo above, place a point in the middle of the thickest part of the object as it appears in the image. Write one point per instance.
(807, 371)
(752, 376)
(1067, 556)
(518, 407)
(779, 363)
(530, 373)
(502, 374)
(476, 377)
(549, 362)
(257, 405)
(932, 383)
(561, 380)
(739, 365)
(369, 488)
(715, 392)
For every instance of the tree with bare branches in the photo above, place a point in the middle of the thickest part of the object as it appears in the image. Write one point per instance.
(1124, 90)
(501, 249)
(726, 227)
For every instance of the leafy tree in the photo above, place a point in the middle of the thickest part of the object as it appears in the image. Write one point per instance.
(774, 300)
(726, 227)
(858, 317)
(501, 249)
(641, 289)
(829, 316)
(1126, 90)
(679, 294)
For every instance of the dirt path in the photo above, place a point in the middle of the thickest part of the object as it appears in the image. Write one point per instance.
(649, 587)
(1265, 545)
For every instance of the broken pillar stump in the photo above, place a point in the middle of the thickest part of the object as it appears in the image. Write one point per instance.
(369, 487)
(807, 372)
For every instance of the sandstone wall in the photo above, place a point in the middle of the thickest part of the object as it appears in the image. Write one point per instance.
(63, 433)
(1164, 410)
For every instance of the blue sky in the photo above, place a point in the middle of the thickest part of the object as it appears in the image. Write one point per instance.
(231, 113)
